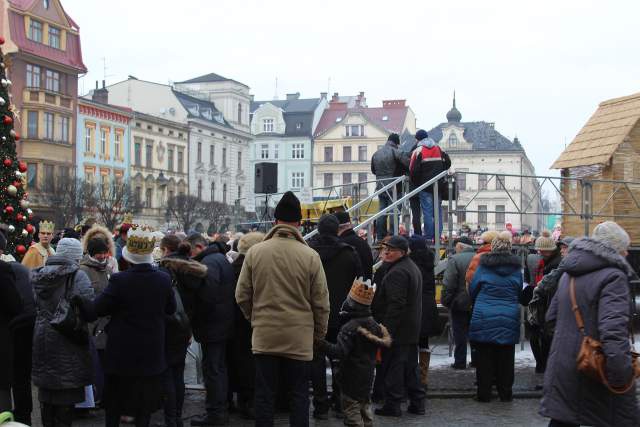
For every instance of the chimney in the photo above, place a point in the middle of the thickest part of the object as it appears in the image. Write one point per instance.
(394, 103)
(323, 95)
(101, 95)
(252, 97)
(292, 96)
(335, 96)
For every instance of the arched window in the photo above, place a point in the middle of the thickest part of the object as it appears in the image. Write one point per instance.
(213, 191)
(239, 113)
(200, 189)
(453, 140)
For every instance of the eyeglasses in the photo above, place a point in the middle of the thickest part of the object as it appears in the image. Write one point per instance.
(388, 249)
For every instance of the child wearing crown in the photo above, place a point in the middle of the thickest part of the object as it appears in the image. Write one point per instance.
(358, 341)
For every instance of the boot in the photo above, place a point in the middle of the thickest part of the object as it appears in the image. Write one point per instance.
(47, 415)
(424, 358)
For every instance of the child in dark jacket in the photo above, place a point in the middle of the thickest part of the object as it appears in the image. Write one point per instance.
(358, 341)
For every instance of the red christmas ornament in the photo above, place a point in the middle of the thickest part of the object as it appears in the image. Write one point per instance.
(22, 167)
(17, 183)
(21, 250)
(7, 120)
(19, 217)
(7, 162)
(30, 229)
(9, 209)
(17, 137)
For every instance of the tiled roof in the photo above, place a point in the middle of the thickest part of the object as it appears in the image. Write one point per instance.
(71, 57)
(25, 5)
(482, 135)
(290, 105)
(601, 136)
(395, 117)
(201, 109)
(211, 77)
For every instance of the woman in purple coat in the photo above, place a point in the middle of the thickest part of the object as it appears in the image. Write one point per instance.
(602, 293)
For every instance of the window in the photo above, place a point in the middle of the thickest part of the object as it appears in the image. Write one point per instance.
(239, 115)
(46, 3)
(180, 161)
(213, 191)
(346, 178)
(328, 179)
(48, 126)
(32, 124)
(328, 154)
(362, 153)
(267, 125)
(355, 130)
(224, 158)
(199, 152)
(212, 154)
(137, 194)
(239, 162)
(32, 175)
(346, 153)
(35, 31)
(137, 154)
(500, 181)
(500, 217)
(148, 198)
(362, 177)
(276, 151)
(264, 151)
(48, 178)
(52, 81)
(461, 177)
(453, 140)
(482, 182)
(224, 193)
(64, 129)
(54, 37)
(297, 151)
(200, 189)
(33, 76)
(63, 173)
(103, 142)
(149, 155)
(461, 215)
(170, 159)
(118, 145)
(297, 180)
(482, 215)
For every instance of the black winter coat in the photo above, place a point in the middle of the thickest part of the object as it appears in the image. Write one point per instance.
(188, 276)
(356, 347)
(138, 301)
(398, 302)
(430, 325)
(10, 306)
(24, 288)
(241, 364)
(341, 266)
(362, 248)
(213, 317)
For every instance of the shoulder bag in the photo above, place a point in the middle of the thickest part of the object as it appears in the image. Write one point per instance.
(66, 317)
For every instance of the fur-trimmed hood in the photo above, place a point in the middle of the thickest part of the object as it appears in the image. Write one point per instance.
(99, 231)
(184, 266)
(503, 263)
(384, 341)
(587, 255)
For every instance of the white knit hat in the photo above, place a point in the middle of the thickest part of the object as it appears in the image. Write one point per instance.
(612, 235)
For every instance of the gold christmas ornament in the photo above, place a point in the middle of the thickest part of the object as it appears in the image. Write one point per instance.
(12, 190)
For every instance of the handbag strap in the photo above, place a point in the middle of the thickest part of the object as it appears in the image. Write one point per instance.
(574, 305)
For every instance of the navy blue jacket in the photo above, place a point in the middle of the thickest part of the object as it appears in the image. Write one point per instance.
(495, 292)
(138, 301)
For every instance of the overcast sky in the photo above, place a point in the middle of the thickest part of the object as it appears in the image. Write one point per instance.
(538, 70)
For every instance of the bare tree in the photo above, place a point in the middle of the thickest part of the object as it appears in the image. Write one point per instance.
(111, 201)
(216, 213)
(68, 198)
(184, 209)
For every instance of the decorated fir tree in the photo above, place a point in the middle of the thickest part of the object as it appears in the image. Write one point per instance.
(14, 207)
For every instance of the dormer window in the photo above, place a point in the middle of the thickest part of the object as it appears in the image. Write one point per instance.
(267, 125)
(54, 37)
(299, 125)
(355, 130)
(46, 3)
(453, 140)
(35, 31)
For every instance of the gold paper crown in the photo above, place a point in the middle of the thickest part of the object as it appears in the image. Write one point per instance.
(140, 241)
(128, 218)
(362, 292)
(46, 227)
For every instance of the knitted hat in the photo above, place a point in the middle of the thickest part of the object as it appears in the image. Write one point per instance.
(421, 134)
(545, 242)
(501, 243)
(343, 217)
(248, 240)
(288, 208)
(488, 236)
(70, 249)
(362, 292)
(395, 138)
(328, 224)
(612, 235)
(97, 246)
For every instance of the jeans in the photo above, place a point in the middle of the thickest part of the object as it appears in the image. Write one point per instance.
(416, 214)
(426, 202)
(494, 361)
(214, 370)
(401, 372)
(268, 371)
(460, 327)
(174, 395)
(381, 223)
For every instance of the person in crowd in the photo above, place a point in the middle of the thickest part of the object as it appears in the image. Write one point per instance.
(424, 258)
(347, 235)
(456, 298)
(282, 290)
(597, 270)
(38, 253)
(121, 243)
(138, 301)
(62, 367)
(406, 149)
(399, 308)
(341, 266)
(213, 325)
(358, 341)
(427, 161)
(378, 277)
(486, 239)
(526, 238)
(187, 277)
(549, 260)
(21, 331)
(495, 322)
(386, 164)
(242, 369)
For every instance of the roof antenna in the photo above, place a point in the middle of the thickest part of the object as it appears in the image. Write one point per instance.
(275, 97)
(454, 98)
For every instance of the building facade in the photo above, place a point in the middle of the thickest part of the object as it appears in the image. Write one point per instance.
(283, 132)
(44, 60)
(481, 156)
(348, 134)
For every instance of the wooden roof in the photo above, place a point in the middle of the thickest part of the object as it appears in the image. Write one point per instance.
(600, 137)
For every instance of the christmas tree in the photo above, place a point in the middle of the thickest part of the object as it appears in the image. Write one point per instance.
(14, 207)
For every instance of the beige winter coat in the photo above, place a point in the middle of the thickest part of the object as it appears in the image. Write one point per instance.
(283, 291)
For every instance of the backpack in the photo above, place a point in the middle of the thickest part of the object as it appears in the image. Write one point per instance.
(180, 317)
